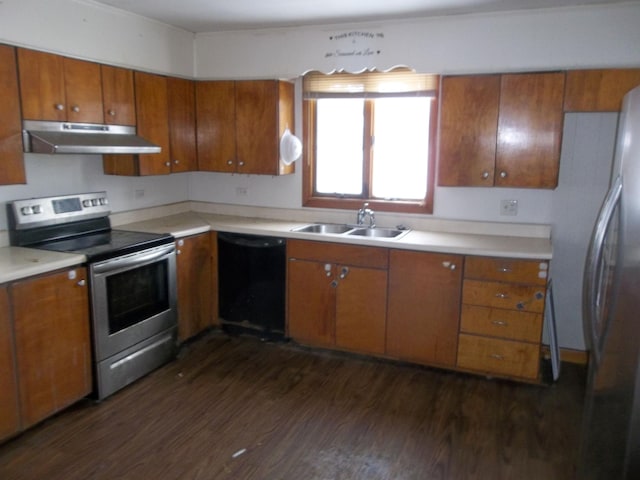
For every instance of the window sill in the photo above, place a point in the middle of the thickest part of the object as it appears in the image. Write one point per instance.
(375, 204)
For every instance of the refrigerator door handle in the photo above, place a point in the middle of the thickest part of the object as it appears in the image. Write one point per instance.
(592, 272)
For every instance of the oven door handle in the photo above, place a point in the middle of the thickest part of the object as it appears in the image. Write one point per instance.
(133, 260)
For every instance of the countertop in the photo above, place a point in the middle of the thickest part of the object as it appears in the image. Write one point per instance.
(17, 262)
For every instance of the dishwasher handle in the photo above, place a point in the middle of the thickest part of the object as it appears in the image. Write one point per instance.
(252, 241)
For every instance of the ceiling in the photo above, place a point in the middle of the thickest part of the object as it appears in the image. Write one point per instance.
(219, 15)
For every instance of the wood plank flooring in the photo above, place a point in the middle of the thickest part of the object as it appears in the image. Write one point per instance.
(236, 408)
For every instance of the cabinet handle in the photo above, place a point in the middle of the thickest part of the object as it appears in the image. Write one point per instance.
(229, 162)
(344, 272)
(59, 106)
(75, 108)
(503, 174)
(485, 175)
(453, 266)
(327, 269)
(82, 283)
(176, 162)
(112, 113)
(168, 164)
(504, 270)
(496, 356)
(502, 295)
(241, 163)
(500, 323)
(178, 252)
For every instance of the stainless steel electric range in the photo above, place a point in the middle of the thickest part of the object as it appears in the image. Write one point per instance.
(132, 281)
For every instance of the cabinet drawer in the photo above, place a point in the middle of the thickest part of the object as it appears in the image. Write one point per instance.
(506, 270)
(528, 298)
(503, 357)
(353, 255)
(496, 322)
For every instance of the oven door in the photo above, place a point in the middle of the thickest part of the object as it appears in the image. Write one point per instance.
(133, 298)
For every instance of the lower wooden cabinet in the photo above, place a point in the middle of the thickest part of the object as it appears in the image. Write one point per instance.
(52, 342)
(196, 291)
(337, 295)
(424, 306)
(9, 412)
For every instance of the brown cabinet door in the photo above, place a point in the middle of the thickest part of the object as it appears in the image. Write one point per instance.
(424, 306)
(42, 90)
(182, 124)
(529, 130)
(83, 91)
(194, 285)
(468, 129)
(361, 304)
(257, 125)
(51, 318)
(11, 156)
(311, 302)
(216, 126)
(118, 96)
(599, 90)
(152, 112)
(9, 413)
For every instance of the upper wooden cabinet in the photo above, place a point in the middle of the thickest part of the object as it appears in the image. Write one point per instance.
(239, 125)
(599, 90)
(501, 130)
(118, 96)
(182, 124)
(58, 88)
(11, 154)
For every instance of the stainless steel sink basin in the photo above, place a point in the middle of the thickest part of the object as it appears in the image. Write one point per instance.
(378, 232)
(324, 228)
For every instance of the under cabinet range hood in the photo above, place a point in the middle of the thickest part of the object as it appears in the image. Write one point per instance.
(86, 138)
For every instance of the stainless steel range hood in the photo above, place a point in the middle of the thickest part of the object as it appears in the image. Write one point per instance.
(87, 138)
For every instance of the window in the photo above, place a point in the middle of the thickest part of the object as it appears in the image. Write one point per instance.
(370, 137)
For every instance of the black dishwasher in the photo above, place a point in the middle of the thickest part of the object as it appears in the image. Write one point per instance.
(251, 279)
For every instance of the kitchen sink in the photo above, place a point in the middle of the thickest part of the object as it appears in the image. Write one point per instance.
(325, 228)
(356, 230)
(378, 232)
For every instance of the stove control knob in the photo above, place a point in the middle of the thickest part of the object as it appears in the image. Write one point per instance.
(86, 203)
(26, 210)
(37, 209)
(104, 201)
(94, 202)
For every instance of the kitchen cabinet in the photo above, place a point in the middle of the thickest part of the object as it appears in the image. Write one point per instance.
(9, 413)
(118, 96)
(11, 155)
(195, 289)
(501, 130)
(52, 343)
(424, 306)
(599, 90)
(182, 124)
(337, 295)
(57, 88)
(503, 304)
(239, 125)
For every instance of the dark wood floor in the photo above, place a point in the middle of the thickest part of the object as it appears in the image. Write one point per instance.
(236, 408)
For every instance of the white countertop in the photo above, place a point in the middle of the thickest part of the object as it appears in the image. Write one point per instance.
(17, 262)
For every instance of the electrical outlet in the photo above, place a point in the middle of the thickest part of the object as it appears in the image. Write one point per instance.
(241, 191)
(509, 207)
(138, 193)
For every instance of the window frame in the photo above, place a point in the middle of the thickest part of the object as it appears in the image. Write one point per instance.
(311, 199)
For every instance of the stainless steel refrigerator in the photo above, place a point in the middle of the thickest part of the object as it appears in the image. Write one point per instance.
(610, 444)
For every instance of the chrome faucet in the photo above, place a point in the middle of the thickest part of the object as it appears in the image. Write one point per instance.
(364, 212)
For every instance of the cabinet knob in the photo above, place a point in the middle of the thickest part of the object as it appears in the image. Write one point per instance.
(181, 242)
(111, 113)
(453, 266)
(344, 272)
(178, 252)
(485, 175)
(500, 323)
(496, 356)
(503, 174)
(334, 284)
(176, 162)
(168, 164)
(229, 162)
(241, 163)
(81, 283)
(59, 106)
(75, 108)
(502, 295)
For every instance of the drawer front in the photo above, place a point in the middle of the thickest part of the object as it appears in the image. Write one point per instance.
(507, 270)
(496, 322)
(527, 298)
(500, 357)
(327, 252)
